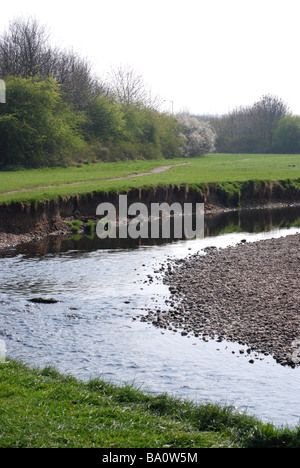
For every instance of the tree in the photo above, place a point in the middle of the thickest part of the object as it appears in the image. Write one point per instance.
(287, 135)
(266, 114)
(129, 88)
(198, 136)
(24, 49)
(37, 128)
(105, 119)
(75, 76)
(250, 129)
(171, 142)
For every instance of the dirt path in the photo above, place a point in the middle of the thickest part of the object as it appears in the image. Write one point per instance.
(156, 170)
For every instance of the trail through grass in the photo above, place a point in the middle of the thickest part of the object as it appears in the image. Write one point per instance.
(214, 168)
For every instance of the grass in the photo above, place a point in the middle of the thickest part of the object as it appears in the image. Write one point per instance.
(31, 178)
(215, 168)
(42, 408)
(74, 225)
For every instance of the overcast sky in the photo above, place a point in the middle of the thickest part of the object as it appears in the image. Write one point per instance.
(207, 56)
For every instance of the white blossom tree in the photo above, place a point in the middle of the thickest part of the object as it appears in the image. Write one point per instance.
(197, 135)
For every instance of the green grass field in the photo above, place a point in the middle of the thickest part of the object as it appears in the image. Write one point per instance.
(94, 177)
(43, 409)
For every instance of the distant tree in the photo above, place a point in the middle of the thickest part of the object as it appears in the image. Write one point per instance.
(250, 129)
(266, 113)
(287, 135)
(198, 136)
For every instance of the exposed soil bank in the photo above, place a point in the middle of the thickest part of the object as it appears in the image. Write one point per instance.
(248, 294)
(21, 222)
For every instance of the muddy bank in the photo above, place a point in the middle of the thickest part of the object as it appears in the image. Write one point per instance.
(22, 222)
(248, 294)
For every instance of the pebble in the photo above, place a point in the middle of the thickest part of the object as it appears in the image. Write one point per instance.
(248, 294)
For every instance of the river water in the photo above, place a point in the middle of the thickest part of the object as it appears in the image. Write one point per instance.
(95, 331)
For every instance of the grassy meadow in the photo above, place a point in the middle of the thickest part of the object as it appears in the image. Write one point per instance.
(33, 184)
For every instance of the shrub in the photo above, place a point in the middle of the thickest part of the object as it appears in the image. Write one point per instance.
(37, 128)
(198, 136)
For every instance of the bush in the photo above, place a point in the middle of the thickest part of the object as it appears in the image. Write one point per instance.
(198, 136)
(105, 119)
(37, 128)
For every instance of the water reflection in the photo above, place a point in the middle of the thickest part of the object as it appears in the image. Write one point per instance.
(250, 221)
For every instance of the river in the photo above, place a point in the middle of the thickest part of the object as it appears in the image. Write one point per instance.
(95, 329)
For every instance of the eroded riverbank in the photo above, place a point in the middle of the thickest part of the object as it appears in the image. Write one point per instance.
(247, 293)
(22, 222)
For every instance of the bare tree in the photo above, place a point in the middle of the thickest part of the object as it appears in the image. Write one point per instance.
(75, 76)
(129, 88)
(24, 49)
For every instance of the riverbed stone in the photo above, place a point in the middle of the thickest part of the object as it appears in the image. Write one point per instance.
(44, 300)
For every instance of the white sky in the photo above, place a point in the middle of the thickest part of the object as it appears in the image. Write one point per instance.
(207, 56)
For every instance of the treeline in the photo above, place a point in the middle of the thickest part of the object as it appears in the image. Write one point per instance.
(58, 112)
(39, 128)
(265, 127)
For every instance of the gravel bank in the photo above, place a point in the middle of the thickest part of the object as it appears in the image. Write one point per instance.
(249, 294)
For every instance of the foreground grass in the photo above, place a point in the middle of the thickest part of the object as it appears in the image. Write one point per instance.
(213, 168)
(46, 409)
